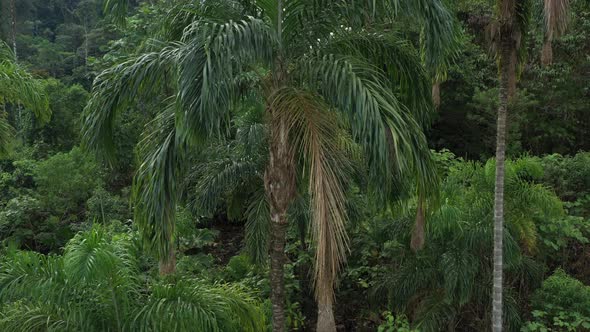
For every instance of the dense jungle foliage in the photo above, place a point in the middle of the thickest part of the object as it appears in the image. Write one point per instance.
(140, 156)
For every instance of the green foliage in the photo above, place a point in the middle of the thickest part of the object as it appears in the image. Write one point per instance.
(67, 180)
(448, 281)
(96, 286)
(561, 304)
(394, 324)
(568, 176)
(104, 206)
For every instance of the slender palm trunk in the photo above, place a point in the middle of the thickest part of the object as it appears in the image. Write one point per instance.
(547, 52)
(279, 184)
(436, 94)
(507, 74)
(280, 188)
(167, 265)
(13, 24)
(326, 322)
(418, 236)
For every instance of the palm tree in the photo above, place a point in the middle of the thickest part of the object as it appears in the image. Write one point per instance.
(510, 30)
(17, 86)
(321, 67)
(449, 281)
(96, 286)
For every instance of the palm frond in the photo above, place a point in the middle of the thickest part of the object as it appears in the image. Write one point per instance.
(193, 305)
(214, 55)
(18, 86)
(6, 134)
(26, 317)
(257, 234)
(556, 14)
(380, 122)
(314, 131)
(119, 88)
(156, 185)
(400, 64)
(117, 9)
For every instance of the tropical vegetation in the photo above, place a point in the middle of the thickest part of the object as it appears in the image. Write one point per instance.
(301, 165)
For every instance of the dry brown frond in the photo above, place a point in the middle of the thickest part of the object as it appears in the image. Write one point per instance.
(556, 17)
(314, 131)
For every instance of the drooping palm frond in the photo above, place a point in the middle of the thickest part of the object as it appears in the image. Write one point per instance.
(440, 33)
(183, 13)
(399, 61)
(193, 305)
(6, 134)
(257, 233)
(556, 14)
(225, 171)
(119, 88)
(214, 55)
(380, 122)
(25, 317)
(19, 87)
(34, 277)
(117, 9)
(157, 182)
(314, 132)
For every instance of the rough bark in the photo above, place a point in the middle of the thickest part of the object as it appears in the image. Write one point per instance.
(507, 73)
(418, 236)
(326, 322)
(436, 94)
(167, 265)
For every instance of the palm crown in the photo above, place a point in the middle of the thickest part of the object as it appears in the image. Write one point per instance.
(320, 67)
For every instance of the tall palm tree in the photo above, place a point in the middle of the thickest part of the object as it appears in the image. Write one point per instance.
(450, 283)
(510, 30)
(321, 65)
(17, 86)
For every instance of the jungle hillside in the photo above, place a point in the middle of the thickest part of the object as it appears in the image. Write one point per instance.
(294, 165)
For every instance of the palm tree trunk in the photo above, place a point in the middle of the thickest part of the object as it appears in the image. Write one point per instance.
(279, 181)
(436, 94)
(417, 240)
(167, 265)
(547, 52)
(326, 322)
(13, 25)
(277, 262)
(507, 74)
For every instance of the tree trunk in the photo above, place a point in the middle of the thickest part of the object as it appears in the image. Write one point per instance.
(13, 25)
(277, 262)
(279, 181)
(436, 94)
(326, 322)
(417, 241)
(547, 53)
(167, 265)
(507, 74)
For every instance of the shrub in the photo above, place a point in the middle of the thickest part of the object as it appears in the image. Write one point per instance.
(561, 304)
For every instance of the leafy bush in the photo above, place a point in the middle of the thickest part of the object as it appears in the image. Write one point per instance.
(67, 180)
(105, 206)
(568, 176)
(561, 304)
(394, 324)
